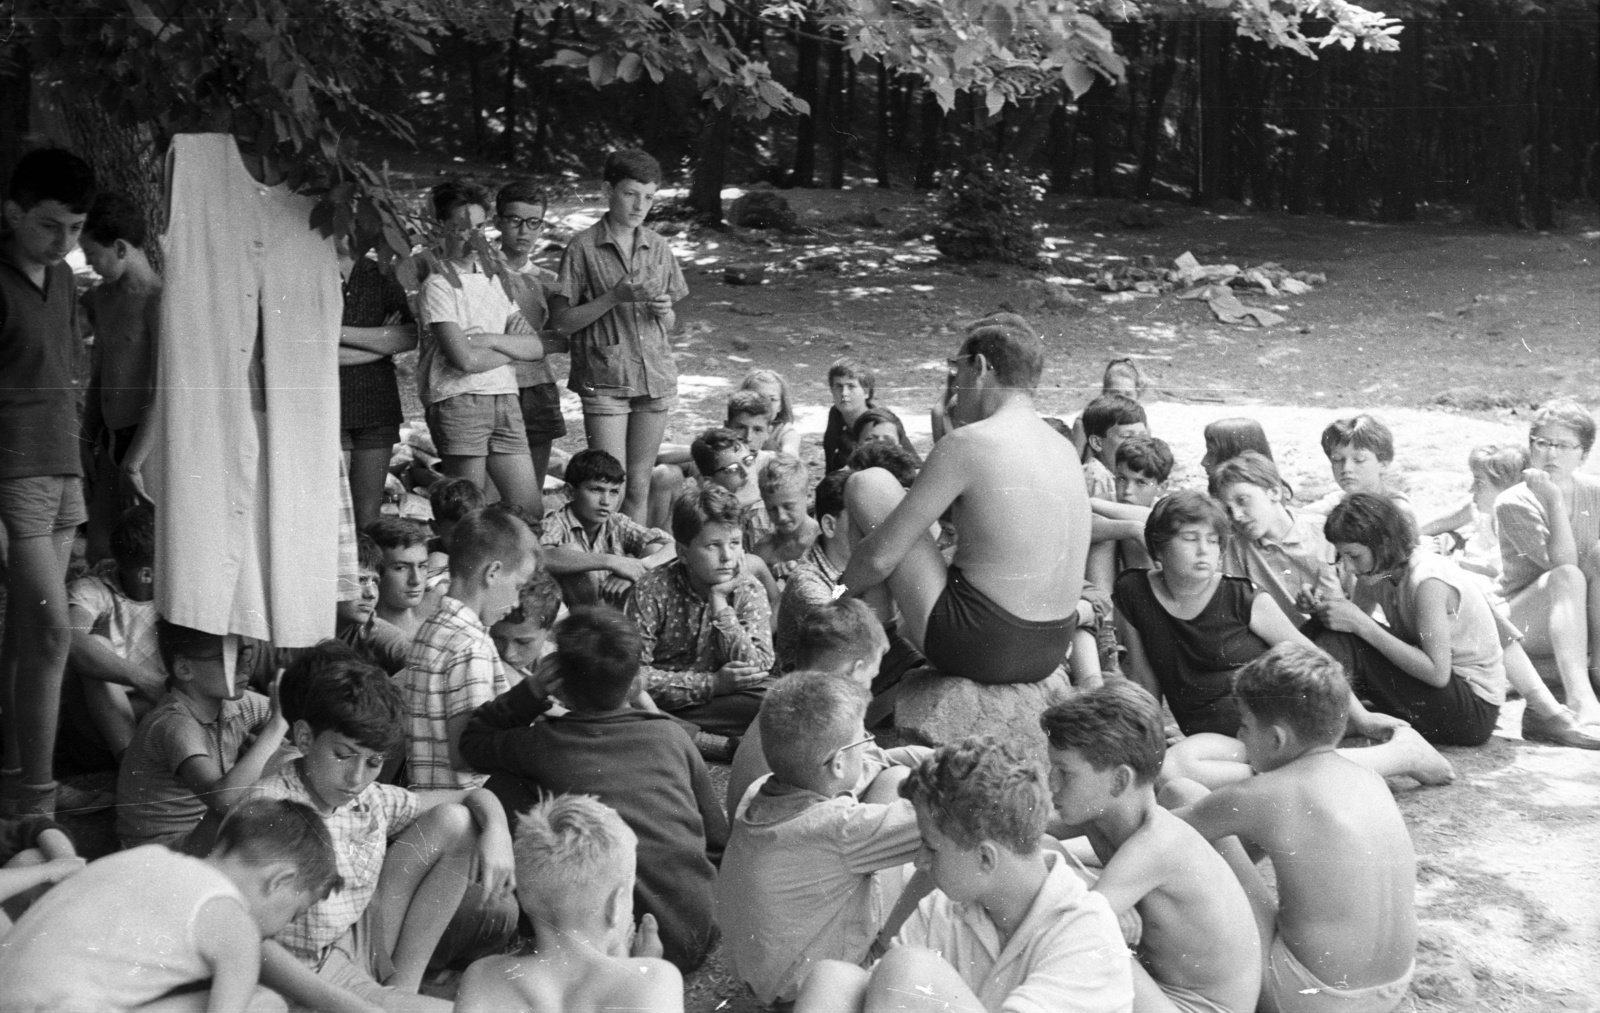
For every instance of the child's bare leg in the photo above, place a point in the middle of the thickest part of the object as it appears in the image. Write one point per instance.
(1101, 569)
(513, 475)
(1208, 759)
(666, 482)
(1553, 612)
(833, 986)
(1524, 678)
(423, 880)
(1085, 660)
(910, 978)
(33, 658)
(919, 579)
(539, 453)
(643, 443)
(369, 467)
(1406, 754)
(1591, 578)
(111, 711)
(885, 788)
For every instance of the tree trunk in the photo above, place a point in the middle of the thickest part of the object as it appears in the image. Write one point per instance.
(1252, 72)
(127, 159)
(1063, 149)
(1541, 196)
(1405, 106)
(928, 153)
(711, 166)
(513, 71)
(1094, 112)
(1216, 135)
(1155, 105)
(838, 115)
(1309, 90)
(16, 97)
(881, 157)
(1033, 128)
(475, 77)
(805, 129)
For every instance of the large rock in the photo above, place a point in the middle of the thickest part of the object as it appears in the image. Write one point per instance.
(763, 209)
(935, 709)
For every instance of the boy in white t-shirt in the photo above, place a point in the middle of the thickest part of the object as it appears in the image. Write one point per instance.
(142, 924)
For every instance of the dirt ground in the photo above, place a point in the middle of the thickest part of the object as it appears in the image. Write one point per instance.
(1450, 333)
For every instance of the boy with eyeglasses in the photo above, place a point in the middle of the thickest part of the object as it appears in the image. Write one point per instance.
(725, 459)
(519, 210)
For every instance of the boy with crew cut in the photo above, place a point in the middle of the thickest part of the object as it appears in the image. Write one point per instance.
(1341, 855)
(575, 877)
(41, 475)
(453, 667)
(465, 374)
(149, 924)
(519, 210)
(784, 481)
(1360, 450)
(638, 761)
(596, 552)
(706, 624)
(402, 571)
(1010, 926)
(423, 875)
(1281, 549)
(618, 283)
(122, 312)
(1198, 949)
(812, 870)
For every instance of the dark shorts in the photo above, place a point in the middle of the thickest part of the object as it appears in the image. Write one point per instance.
(369, 438)
(541, 413)
(122, 442)
(970, 636)
(39, 505)
(1448, 715)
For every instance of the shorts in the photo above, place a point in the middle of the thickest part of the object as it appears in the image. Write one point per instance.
(541, 413)
(477, 425)
(1287, 987)
(622, 404)
(39, 505)
(970, 636)
(358, 961)
(1187, 1000)
(369, 438)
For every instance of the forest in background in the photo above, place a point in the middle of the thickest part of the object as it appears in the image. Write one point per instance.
(1489, 104)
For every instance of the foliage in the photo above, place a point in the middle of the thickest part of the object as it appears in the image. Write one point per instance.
(989, 211)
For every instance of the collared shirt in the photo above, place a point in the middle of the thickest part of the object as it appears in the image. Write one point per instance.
(1067, 956)
(685, 642)
(624, 353)
(803, 880)
(453, 669)
(154, 805)
(810, 585)
(129, 626)
(1525, 530)
(38, 383)
(360, 829)
(479, 303)
(1302, 559)
(1097, 478)
(618, 535)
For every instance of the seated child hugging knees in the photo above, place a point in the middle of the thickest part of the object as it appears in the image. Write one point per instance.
(412, 865)
(519, 637)
(454, 667)
(1281, 550)
(575, 881)
(1340, 852)
(114, 667)
(842, 638)
(150, 924)
(706, 625)
(1010, 927)
(638, 761)
(356, 620)
(201, 748)
(812, 870)
(784, 482)
(595, 551)
(1198, 950)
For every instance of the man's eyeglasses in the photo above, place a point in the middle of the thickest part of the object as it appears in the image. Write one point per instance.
(510, 222)
(1540, 443)
(743, 464)
(864, 740)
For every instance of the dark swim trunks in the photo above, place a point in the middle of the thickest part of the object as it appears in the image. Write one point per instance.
(970, 636)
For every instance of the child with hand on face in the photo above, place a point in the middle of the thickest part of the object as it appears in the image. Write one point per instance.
(784, 482)
(520, 636)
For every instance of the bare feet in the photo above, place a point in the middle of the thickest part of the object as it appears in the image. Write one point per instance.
(1421, 760)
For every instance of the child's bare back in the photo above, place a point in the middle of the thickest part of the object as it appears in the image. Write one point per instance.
(562, 983)
(1199, 934)
(1345, 867)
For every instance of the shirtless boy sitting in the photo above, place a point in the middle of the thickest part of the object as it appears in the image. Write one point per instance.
(1005, 610)
(575, 869)
(1346, 871)
(1199, 951)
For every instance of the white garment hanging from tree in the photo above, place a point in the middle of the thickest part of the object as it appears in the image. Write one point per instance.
(248, 489)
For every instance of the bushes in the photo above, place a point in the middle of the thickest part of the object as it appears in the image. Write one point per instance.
(989, 212)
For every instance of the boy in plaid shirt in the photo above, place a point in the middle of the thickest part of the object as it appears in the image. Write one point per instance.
(413, 867)
(597, 552)
(454, 667)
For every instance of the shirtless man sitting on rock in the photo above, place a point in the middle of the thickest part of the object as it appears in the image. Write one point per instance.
(1004, 611)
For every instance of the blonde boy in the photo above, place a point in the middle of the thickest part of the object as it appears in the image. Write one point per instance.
(784, 481)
